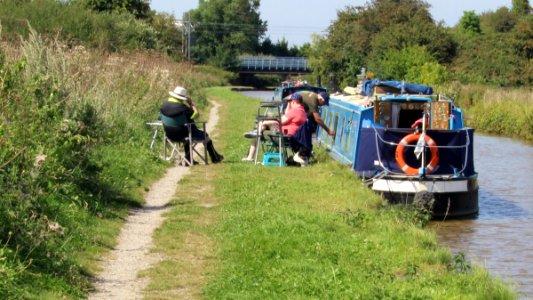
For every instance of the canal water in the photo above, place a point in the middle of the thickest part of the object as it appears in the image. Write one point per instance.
(501, 237)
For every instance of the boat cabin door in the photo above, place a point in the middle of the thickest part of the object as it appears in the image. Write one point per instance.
(440, 115)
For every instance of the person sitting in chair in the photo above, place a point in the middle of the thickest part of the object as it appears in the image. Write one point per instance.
(179, 110)
(293, 118)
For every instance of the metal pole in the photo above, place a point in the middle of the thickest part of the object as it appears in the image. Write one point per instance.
(189, 25)
(183, 40)
(424, 142)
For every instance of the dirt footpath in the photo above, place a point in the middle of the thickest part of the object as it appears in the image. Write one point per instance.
(119, 278)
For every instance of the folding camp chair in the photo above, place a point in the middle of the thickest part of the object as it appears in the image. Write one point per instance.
(178, 143)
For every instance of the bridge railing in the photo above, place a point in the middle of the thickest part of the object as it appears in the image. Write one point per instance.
(273, 64)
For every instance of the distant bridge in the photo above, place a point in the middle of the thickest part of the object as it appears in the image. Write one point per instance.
(273, 65)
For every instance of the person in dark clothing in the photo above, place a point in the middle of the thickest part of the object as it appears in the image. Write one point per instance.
(179, 110)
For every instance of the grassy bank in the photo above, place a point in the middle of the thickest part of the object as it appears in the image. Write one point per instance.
(74, 156)
(240, 231)
(499, 111)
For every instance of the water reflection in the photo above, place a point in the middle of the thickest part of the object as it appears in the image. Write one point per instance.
(259, 94)
(501, 238)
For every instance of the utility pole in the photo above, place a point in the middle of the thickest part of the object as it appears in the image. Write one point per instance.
(189, 29)
(186, 29)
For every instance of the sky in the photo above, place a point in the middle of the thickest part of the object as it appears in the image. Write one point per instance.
(297, 20)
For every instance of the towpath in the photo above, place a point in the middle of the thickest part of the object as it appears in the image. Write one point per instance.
(119, 278)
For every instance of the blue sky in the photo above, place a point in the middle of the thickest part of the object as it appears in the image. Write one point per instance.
(296, 20)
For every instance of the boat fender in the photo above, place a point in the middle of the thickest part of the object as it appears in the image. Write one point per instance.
(412, 139)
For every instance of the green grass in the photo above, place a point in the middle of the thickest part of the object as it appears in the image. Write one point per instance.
(301, 233)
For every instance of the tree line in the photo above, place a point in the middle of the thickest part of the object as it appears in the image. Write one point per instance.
(400, 40)
(393, 39)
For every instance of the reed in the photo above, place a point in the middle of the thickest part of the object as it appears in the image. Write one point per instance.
(500, 111)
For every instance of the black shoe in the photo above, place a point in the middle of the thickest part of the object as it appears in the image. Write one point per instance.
(219, 158)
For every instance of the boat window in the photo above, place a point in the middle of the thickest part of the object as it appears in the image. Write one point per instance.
(341, 136)
(348, 135)
(335, 127)
(409, 117)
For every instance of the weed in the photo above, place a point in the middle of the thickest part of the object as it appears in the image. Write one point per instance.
(459, 263)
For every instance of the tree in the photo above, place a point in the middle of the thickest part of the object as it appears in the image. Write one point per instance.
(403, 64)
(365, 34)
(521, 7)
(266, 47)
(524, 37)
(502, 20)
(225, 28)
(470, 23)
(169, 37)
(139, 8)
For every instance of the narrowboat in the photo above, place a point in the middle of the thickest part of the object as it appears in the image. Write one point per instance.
(293, 86)
(408, 144)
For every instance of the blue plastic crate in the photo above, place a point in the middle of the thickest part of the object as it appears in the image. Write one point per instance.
(273, 159)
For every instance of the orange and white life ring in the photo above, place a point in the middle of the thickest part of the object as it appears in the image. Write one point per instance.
(412, 139)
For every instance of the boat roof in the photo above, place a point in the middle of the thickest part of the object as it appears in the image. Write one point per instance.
(405, 97)
(376, 86)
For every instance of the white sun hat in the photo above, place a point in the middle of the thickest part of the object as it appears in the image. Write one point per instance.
(179, 92)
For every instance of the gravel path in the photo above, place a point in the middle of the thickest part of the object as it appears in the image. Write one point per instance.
(119, 278)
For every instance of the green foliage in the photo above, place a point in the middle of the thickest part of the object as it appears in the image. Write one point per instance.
(77, 25)
(369, 36)
(491, 59)
(413, 64)
(521, 7)
(281, 48)
(470, 23)
(404, 64)
(494, 48)
(501, 20)
(168, 35)
(74, 154)
(489, 108)
(139, 8)
(524, 39)
(431, 73)
(223, 29)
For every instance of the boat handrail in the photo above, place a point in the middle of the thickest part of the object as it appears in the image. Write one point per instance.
(378, 138)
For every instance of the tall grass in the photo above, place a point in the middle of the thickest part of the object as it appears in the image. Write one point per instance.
(500, 111)
(74, 156)
(74, 23)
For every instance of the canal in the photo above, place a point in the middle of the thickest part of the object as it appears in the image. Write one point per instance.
(501, 237)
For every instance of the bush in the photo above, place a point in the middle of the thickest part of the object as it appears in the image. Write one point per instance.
(73, 22)
(74, 156)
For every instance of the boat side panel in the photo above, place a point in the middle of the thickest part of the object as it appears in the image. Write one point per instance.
(456, 121)
(345, 119)
(377, 149)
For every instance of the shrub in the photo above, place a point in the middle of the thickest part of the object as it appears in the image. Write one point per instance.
(74, 152)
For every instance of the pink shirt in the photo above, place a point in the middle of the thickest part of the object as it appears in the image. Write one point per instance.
(296, 116)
